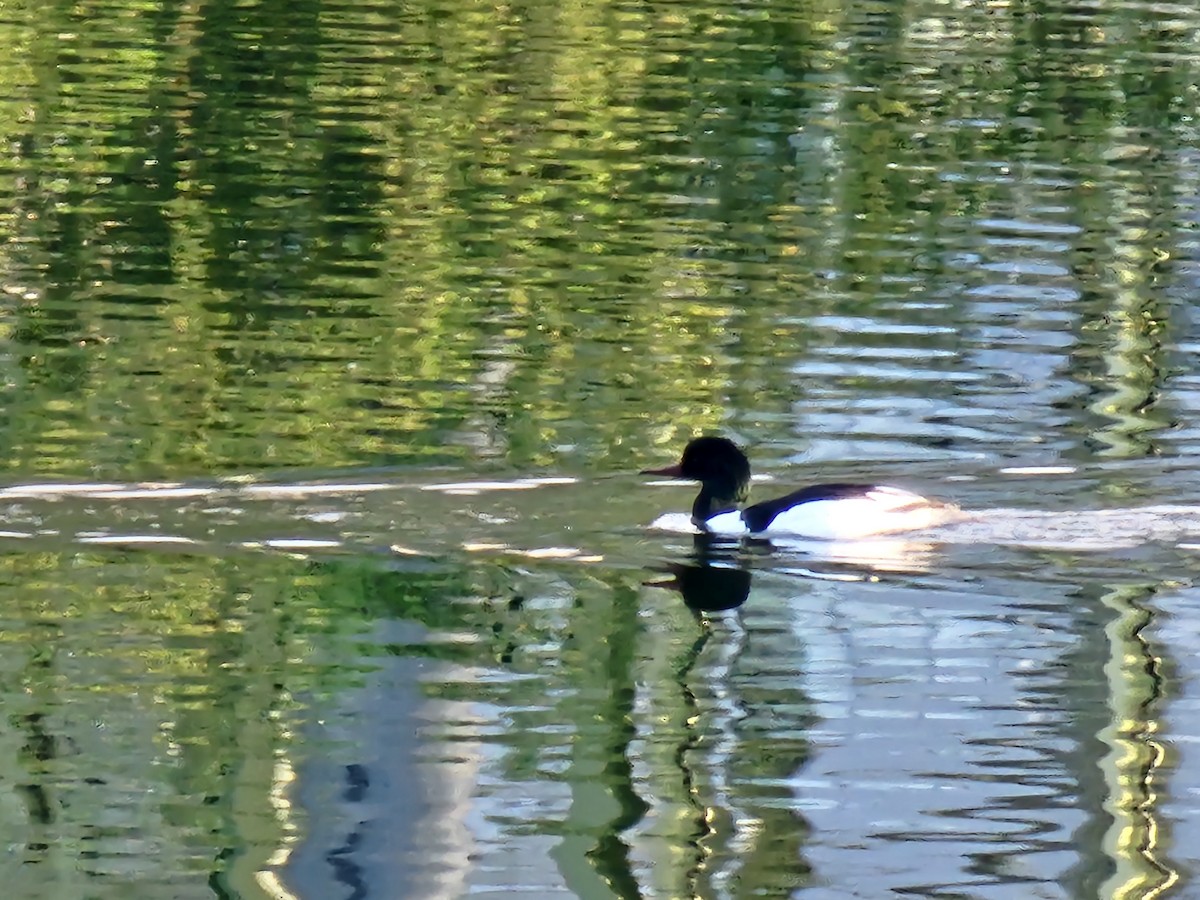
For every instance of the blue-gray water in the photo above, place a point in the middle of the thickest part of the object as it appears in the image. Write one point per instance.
(332, 337)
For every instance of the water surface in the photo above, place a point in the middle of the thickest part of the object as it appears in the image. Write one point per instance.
(333, 335)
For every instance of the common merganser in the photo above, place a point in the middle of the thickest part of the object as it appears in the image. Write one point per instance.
(824, 511)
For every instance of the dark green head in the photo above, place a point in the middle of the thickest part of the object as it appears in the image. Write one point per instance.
(722, 470)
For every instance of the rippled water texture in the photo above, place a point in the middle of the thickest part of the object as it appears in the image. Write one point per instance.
(331, 336)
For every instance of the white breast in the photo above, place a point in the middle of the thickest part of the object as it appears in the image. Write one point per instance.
(728, 524)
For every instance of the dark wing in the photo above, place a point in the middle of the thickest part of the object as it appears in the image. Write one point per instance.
(760, 515)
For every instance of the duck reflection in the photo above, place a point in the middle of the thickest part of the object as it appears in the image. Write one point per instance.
(712, 579)
(706, 587)
(717, 574)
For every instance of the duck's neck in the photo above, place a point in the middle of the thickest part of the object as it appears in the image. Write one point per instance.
(715, 499)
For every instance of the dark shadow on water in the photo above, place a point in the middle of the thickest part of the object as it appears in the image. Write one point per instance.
(711, 579)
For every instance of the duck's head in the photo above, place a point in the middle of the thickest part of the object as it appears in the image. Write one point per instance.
(722, 470)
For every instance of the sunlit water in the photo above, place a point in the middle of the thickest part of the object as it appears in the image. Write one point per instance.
(334, 334)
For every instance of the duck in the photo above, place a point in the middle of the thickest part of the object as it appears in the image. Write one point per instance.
(821, 511)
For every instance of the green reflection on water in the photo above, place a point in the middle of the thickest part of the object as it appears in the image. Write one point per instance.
(317, 237)
(151, 700)
(263, 236)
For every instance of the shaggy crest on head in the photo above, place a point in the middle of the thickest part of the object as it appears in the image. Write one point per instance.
(714, 457)
(722, 470)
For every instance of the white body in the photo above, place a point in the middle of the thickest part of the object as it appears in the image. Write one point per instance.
(881, 510)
